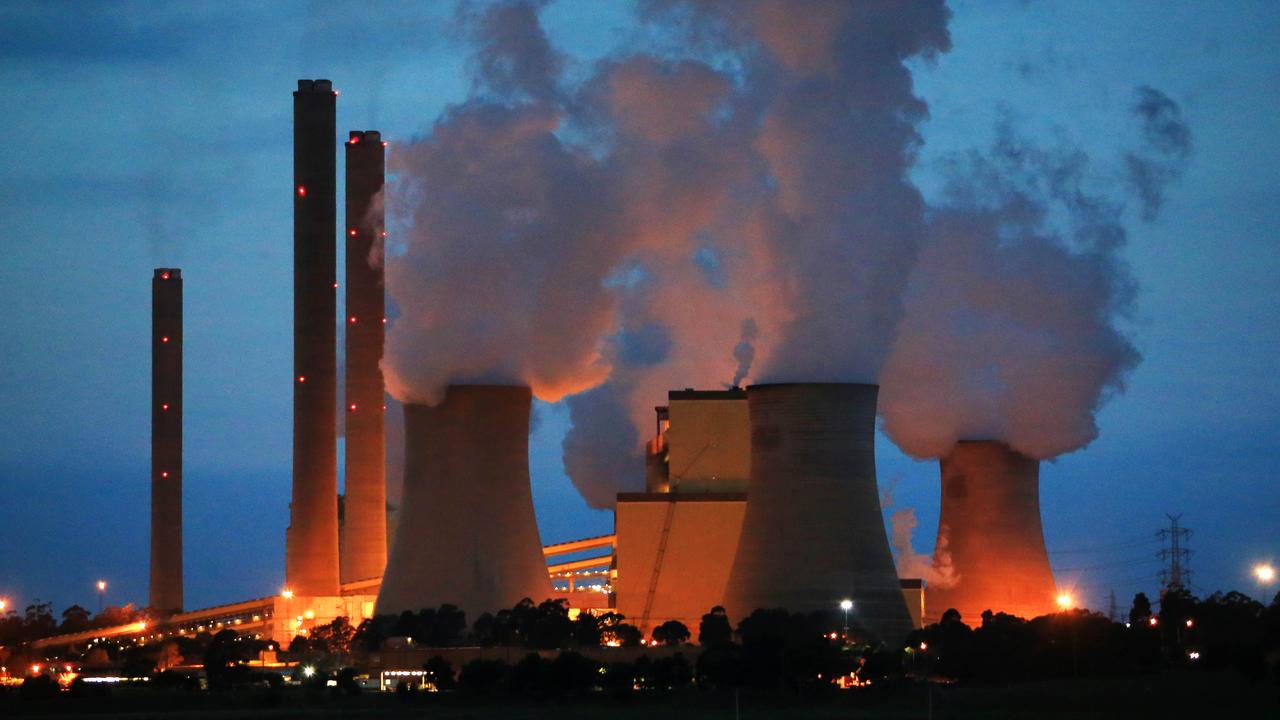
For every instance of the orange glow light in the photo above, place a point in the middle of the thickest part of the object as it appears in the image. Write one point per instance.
(1065, 601)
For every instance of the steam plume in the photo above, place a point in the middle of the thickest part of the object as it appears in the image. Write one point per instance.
(1012, 327)
(937, 571)
(510, 233)
(1166, 147)
(744, 352)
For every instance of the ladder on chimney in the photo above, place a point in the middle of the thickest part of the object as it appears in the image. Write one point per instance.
(673, 488)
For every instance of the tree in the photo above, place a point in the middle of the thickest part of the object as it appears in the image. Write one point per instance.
(482, 676)
(74, 619)
(224, 654)
(439, 673)
(715, 630)
(333, 638)
(1140, 613)
(671, 632)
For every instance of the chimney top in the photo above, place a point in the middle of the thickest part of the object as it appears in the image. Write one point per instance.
(319, 86)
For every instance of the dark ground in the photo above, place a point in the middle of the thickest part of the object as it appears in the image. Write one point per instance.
(1172, 695)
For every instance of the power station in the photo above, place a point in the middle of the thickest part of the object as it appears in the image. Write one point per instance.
(764, 497)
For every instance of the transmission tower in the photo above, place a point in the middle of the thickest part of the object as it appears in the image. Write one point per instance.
(1177, 576)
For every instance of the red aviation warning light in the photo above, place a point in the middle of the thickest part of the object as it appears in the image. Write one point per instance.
(352, 407)
(164, 276)
(164, 406)
(302, 378)
(302, 191)
(353, 319)
(164, 339)
(164, 474)
(355, 139)
(352, 232)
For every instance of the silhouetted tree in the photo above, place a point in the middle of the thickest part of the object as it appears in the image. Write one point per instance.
(1140, 613)
(439, 672)
(671, 632)
(482, 677)
(715, 630)
(74, 619)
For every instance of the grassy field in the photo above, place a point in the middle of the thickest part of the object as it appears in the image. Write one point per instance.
(1164, 696)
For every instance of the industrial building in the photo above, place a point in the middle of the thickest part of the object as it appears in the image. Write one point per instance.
(756, 497)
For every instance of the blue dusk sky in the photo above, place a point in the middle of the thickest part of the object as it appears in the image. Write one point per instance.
(149, 134)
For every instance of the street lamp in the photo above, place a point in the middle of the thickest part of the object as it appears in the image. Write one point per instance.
(1265, 574)
(846, 605)
(102, 591)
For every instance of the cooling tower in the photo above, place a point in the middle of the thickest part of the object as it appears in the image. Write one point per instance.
(311, 563)
(364, 537)
(166, 440)
(466, 532)
(990, 536)
(813, 534)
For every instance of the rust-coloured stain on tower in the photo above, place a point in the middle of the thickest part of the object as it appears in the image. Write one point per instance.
(166, 440)
(364, 537)
(990, 535)
(311, 564)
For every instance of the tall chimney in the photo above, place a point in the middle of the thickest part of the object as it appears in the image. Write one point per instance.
(466, 532)
(990, 535)
(364, 537)
(813, 534)
(166, 440)
(311, 564)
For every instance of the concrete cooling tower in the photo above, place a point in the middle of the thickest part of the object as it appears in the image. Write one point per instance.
(467, 534)
(813, 533)
(989, 533)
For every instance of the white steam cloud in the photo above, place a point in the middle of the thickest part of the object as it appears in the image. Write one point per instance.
(1012, 328)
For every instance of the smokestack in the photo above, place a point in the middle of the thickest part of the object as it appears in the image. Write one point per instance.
(166, 440)
(364, 538)
(813, 534)
(466, 531)
(311, 565)
(990, 527)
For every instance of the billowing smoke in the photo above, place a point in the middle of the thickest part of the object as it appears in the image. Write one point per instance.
(1166, 147)
(745, 352)
(767, 175)
(937, 571)
(1013, 326)
(510, 233)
